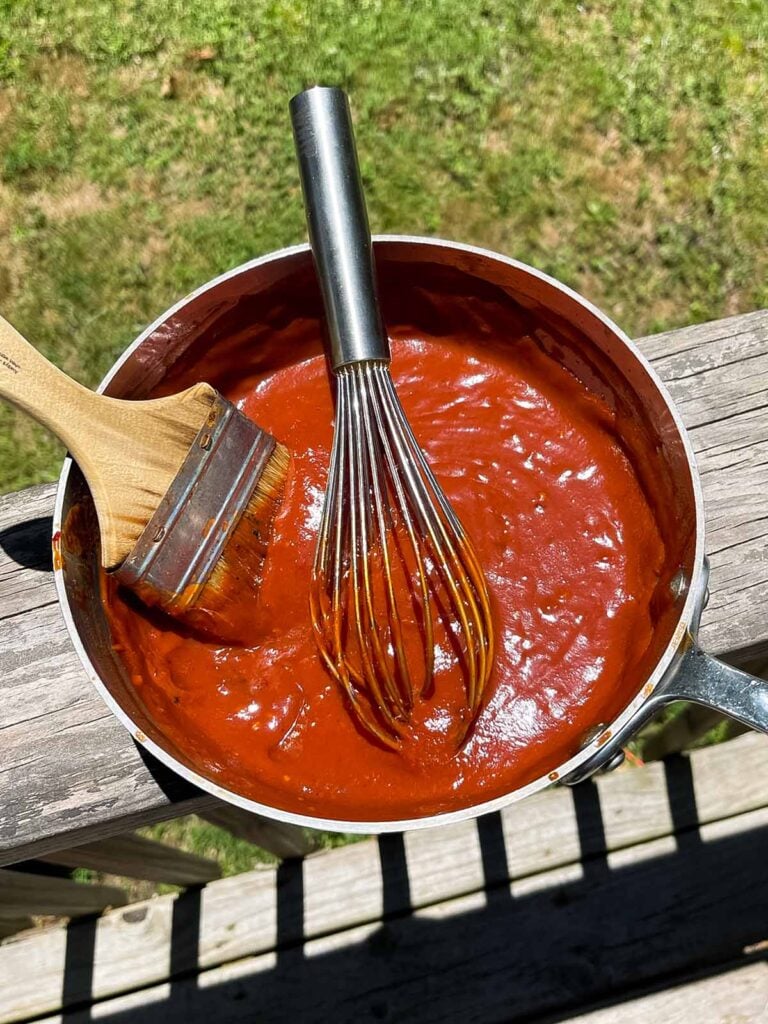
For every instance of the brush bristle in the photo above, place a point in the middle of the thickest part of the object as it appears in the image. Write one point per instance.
(221, 607)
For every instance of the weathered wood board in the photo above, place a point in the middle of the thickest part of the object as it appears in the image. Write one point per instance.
(133, 856)
(70, 773)
(565, 940)
(737, 996)
(22, 894)
(560, 842)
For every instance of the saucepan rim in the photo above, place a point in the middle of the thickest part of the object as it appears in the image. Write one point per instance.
(590, 750)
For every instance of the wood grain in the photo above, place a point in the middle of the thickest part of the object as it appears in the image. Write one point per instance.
(133, 856)
(563, 941)
(734, 997)
(718, 376)
(26, 580)
(557, 837)
(22, 894)
(71, 774)
(129, 452)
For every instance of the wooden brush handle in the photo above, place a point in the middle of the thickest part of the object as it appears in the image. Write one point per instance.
(129, 451)
(39, 388)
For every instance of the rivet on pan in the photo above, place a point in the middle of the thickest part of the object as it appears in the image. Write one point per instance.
(592, 734)
(159, 535)
(678, 584)
(617, 759)
(205, 442)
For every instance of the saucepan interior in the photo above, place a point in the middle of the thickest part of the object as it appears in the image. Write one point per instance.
(253, 305)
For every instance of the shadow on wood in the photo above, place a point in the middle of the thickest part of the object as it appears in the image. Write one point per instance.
(185, 936)
(173, 786)
(24, 893)
(396, 887)
(78, 971)
(494, 856)
(556, 946)
(29, 543)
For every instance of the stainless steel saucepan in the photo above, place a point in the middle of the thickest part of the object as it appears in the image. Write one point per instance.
(674, 667)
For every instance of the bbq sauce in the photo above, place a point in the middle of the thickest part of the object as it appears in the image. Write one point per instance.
(535, 463)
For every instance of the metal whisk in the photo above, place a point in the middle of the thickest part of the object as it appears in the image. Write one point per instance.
(396, 579)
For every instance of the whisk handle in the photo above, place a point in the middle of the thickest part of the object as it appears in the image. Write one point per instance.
(338, 225)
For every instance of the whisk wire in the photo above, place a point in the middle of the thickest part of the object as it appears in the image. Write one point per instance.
(393, 564)
(459, 583)
(402, 697)
(402, 504)
(375, 668)
(381, 495)
(327, 604)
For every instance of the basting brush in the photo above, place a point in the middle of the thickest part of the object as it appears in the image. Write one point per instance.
(185, 487)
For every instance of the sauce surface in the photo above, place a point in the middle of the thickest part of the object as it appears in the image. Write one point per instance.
(535, 468)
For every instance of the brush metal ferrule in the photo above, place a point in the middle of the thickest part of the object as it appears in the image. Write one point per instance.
(338, 226)
(178, 549)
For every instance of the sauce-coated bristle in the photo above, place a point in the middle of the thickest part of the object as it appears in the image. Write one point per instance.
(202, 553)
(219, 609)
(271, 482)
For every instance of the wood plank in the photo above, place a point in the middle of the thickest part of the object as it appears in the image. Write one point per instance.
(718, 376)
(135, 856)
(12, 925)
(62, 748)
(275, 837)
(26, 581)
(63, 751)
(557, 943)
(735, 997)
(70, 772)
(22, 894)
(562, 831)
(133, 946)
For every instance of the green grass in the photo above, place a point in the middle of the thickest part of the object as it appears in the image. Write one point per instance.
(145, 147)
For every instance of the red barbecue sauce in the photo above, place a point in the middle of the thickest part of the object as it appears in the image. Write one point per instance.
(530, 459)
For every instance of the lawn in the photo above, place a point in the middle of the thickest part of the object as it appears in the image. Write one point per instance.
(145, 147)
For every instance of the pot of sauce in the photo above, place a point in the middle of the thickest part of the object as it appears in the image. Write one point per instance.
(563, 454)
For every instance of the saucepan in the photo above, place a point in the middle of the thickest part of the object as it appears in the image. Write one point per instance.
(675, 668)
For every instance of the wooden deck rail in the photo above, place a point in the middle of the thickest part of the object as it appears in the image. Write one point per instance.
(623, 893)
(616, 888)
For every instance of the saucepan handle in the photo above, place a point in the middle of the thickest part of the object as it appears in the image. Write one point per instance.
(696, 677)
(709, 681)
